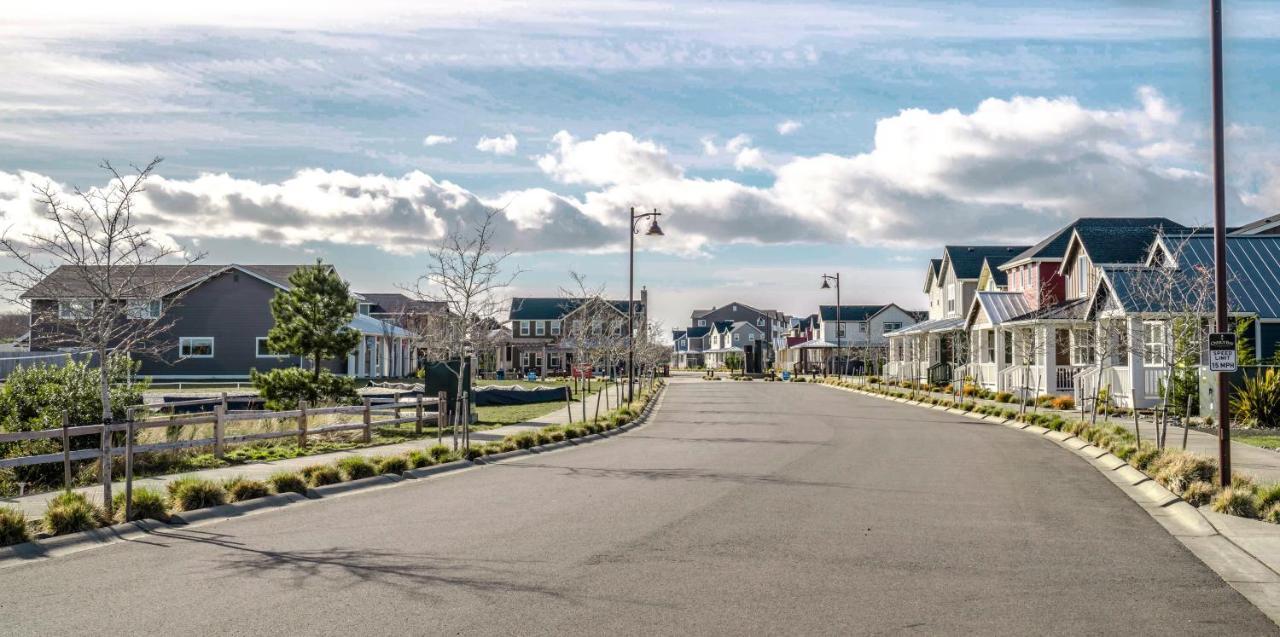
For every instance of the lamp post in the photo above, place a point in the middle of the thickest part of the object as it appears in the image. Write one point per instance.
(1220, 241)
(826, 285)
(654, 231)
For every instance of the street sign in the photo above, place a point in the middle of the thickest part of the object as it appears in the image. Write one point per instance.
(1222, 352)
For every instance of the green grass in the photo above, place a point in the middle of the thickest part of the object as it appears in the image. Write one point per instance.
(1257, 438)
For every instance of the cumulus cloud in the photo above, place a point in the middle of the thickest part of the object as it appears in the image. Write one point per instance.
(1009, 170)
(505, 145)
(786, 127)
(709, 146)
(609, 158)
(437, 140)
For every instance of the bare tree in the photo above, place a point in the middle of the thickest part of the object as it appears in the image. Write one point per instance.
(465, 275)
(97, 281)
(593, 326)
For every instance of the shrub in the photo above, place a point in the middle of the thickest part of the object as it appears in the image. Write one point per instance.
(574, 431)
(502, 447)
(148, 504)
(1199, 493)
(240, 489)
(13, 527)
(283, 388)
(1176, 470)
(556, 435)
(1044, 400)
(1004, 397)
(440, 453)
(1272, 514)
(1233, 501)
(1268, 495)
(356, 467)
(393, 464)
(69, 512)
(523, 440)
(288, 482)
(420, 459)
(1124, 451)
(318, 475)
(1063, 403)
(189, 493)
(1257, 402)
(1143, 456)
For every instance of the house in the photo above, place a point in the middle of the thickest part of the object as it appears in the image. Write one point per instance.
(688, 347)
(745, 339)
(218, 317)
(773, 324)
(542, 327)
(928, 350)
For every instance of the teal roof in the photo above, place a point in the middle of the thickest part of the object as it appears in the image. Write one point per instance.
(553, 308)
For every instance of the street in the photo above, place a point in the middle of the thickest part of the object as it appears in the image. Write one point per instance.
(740, 508)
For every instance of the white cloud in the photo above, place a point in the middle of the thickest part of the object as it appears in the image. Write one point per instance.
(709, 146)
(737, 143)
(437, 140)
(750, 159)
(789, 126)
(505, 145)
(608, 158)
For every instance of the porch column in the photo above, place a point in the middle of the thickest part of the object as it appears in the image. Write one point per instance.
(361, 357)
(1044, 358)
(351, 364)
(1000, 364)
(1137, 375)
(543, 373)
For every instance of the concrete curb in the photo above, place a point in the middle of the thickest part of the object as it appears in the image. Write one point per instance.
(74, 542)
(495, 457)
(1226, 544)
(235, 508)
(436, 469)
(353, 485)
(551, 446)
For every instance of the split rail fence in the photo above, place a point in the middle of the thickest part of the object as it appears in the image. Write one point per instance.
(373, 413)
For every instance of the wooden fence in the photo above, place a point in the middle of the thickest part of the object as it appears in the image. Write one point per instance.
(373, 413)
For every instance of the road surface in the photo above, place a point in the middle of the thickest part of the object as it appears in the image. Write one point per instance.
(742, 508)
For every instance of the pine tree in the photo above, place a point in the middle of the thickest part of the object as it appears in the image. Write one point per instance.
(311, 318)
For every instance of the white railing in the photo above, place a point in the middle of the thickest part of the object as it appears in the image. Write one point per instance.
(1065, 378)
(1154, 380)
(984, 375)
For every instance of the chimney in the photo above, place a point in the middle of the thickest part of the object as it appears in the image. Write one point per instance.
(644, 303)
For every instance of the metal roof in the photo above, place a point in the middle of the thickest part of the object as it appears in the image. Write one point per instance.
(551, 308)
(936, 325)
(1001, 307)
(1253, 281)
(376, 327)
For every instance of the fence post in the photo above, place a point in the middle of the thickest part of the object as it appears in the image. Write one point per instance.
(224, 402)
(442, 415)
(66, 452)
(466, 421)
(128, 465)
(219, 429)
(302, 423)
(568, 403)
(106, 467)
(368, 420)
(417, 414)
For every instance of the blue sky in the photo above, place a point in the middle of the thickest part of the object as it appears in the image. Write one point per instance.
(289, 137)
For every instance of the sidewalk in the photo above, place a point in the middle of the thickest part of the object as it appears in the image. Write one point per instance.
(34, 505)
(1262, 465)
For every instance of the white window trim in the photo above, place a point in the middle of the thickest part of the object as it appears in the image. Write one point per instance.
(555, 328)
(186, 339)
(66, 312)
(540, 328)
(524, 328)
(257, 351)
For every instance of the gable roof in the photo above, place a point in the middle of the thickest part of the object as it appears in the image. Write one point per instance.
(1054, 247)
(397, 303)
(935, 271)
(1266, 225)
(697, 332)
(850, 312)
(1000, 307)
(550, 308)
(1118, 245)
(966, 261)
(677, 335)
(155, 280)
(992, 268)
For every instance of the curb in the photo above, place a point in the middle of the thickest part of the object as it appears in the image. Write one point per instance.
(436, 469)
(235, 508)
(354, 485)
(495, 457)
(73, 542)
(1221, 551)
(551, 446)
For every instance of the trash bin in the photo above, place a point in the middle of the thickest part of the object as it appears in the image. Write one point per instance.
(532, 377)
(786, 375)
(501, 374)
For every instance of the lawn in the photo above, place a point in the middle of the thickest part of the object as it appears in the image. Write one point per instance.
(514, 414)
(1264, 438)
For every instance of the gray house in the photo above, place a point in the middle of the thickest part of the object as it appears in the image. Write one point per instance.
(218, 317)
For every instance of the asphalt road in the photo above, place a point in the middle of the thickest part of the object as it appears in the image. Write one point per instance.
(742, 508)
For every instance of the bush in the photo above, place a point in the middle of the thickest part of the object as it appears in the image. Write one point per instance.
(1063, 403)
(288, 482)
(504, 446)
(1268, 495)
(1233, 501)
(69, 512)
(189, 493)
(1199, 493)
(1272, 514)
(283, 388)
(1004, 397)
(356, 467)
(148, 504)
(1144, 455)
(574, 431)
(240, 489)
(13, 527)
(1257, 402)
(440, 453)
(393, 464)
(1176, 470)
(523, 440)
(420, 459)
(319, 475)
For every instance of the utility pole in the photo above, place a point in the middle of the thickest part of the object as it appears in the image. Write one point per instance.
(1220, 244)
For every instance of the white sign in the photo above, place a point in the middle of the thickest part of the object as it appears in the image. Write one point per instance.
(1222, 353)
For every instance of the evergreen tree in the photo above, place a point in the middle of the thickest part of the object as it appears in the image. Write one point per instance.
(311, 318)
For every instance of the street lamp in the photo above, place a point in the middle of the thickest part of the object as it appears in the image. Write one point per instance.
(826, 285)
(654, 231)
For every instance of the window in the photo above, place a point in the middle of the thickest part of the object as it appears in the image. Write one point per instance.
(862, 328)
(735, 308)
(75, 308)
(553, 360)
(143, 309)
(524, 328)
(990, 337)
(365, 308)
(524, 359)
(702, 322)
(1153, 338)
(1008, 348)
(737, 338)
(262, 351)
(1082, 277)
(555, 328)
(951, 297)
(760, 321)
(195, 347)
(541, 328)
(1082, 347)
(890, 326)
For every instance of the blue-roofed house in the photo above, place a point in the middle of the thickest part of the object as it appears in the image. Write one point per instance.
(540, 327)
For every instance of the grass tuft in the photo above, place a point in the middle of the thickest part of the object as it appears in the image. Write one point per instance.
(240, 489)
(189, 493)
(69, 512)
(393, 464)
(13, 527)
(148, 504)
(1238, 502)
(1199, 493)
(319, 475)
(356, 467)
(288, 482)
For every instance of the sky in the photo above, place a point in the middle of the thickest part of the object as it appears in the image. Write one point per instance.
(780, 141)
